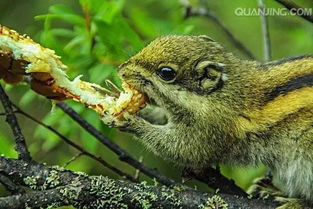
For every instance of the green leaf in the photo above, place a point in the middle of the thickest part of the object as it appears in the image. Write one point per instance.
(7, 147)
(62, 32)
(27, 98)
(64, 13)
(88, 140)
(143, 22)
(109, 10)
(67, 14)
(53, 117)
(50, 139)
(61, 9)
(74, 43)
(73, 19)
(100, 72)
(132, 36)
(118, 38)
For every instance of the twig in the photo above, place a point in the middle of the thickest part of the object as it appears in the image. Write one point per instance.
(137, 173)
(76, 146)
(292, 7)
(87, 17)
(10, 186)
(20, 144)
(75, 157)
(123, 155)
(205, 12)
(265, 32)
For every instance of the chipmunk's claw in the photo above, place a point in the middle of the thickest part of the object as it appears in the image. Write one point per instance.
(114, 89)
(291, 203)
(127, 122)
(105, 92)
(263, 188)
(113, 121)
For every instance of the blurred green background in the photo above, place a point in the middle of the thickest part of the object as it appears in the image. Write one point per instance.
(94, 36)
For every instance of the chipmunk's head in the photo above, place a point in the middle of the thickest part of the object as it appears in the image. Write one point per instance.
(173, 69)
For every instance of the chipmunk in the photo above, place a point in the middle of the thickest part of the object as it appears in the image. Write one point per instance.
(206, 106)
(214, 108)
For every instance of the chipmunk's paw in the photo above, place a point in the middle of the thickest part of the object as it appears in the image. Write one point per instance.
(127, 122)
(263, 188)
(291, 203)
(112, 121)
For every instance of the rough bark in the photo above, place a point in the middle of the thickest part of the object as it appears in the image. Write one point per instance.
(54, 186)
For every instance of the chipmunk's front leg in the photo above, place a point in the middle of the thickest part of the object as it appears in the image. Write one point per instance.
(162, 140)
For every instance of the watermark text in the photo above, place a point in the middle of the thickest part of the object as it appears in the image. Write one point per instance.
(240, 11)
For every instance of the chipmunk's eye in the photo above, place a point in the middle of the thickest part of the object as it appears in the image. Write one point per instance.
(166, 73)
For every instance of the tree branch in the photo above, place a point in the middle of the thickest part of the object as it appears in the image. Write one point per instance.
(292, 7)
(205, 12)
(265, 32)
(63, 187)
(20, 144)
(52, 198)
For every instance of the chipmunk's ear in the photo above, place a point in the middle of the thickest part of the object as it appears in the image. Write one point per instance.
(210, 40)
(210, 75)
(206, 38)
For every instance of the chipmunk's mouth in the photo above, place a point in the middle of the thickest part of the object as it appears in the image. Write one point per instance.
(130, 100)
(133, 101)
